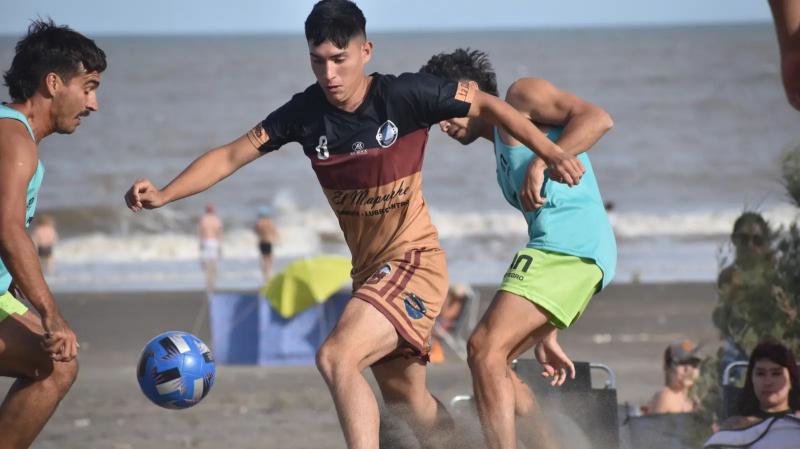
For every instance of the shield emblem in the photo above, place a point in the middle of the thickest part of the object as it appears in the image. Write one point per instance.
(387, 134)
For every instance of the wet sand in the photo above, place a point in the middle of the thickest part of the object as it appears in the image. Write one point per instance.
(626, 327)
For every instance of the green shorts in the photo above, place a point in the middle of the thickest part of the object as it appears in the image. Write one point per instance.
(559, 283)
(9, 304)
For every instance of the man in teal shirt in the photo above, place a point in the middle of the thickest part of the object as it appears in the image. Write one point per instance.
(52, 82)
(571, 253)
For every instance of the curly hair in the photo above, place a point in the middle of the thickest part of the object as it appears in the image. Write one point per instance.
(50, 48)
(464, 64)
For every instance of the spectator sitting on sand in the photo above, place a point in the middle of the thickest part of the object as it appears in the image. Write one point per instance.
(772, 386)
(680, 372)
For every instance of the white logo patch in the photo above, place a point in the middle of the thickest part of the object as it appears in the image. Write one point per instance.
(358, 148)
(387, 134)
(322, 148)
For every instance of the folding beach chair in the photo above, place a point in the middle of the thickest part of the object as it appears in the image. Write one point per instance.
(592, 410)
(456, 338)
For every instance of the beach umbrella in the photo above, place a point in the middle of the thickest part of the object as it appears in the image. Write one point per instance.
(305, 283)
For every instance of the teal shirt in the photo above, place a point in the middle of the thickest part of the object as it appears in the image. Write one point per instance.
(572, 221)
(33, 189)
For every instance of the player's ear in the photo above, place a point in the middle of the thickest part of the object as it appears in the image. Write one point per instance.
(52, 82)
(366, 50)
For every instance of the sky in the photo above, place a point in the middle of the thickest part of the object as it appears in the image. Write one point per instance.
(144, 17)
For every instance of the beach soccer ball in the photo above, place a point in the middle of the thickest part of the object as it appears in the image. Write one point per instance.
(176, 370)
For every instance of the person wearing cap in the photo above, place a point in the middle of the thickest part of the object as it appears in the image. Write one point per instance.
(267, 233)
(681, 364)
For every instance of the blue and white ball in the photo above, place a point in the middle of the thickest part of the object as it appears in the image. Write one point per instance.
(176, 370)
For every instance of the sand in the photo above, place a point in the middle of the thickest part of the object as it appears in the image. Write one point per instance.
(626, 327)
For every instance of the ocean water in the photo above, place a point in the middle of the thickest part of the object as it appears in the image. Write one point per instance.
(700, 122)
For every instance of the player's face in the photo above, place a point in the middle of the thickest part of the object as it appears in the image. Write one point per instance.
(771, 385)
(340, 71)
(73, 100)
(463, 129)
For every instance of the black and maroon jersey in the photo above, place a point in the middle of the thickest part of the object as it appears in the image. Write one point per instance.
(368, 161)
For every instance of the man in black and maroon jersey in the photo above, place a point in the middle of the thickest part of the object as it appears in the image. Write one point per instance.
(365, 136)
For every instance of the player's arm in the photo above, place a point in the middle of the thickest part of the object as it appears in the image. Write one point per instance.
(18, 154)
(207, 170)
(584, 123)
(563, 166)
(786, 14)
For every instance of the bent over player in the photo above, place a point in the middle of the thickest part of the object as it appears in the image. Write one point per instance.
(571, 253)
(52, 82)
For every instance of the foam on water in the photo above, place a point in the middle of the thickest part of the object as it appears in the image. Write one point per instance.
(652, 248)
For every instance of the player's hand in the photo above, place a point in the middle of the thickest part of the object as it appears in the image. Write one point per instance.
(555, 362)
(58, 339)
(143, 195)
(565, 168)
(531, 194)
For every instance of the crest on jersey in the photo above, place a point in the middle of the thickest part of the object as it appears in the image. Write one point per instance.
(387, 134)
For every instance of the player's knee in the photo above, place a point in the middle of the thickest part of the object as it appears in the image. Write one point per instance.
(523, 405)
(61, 377)
(64, 375)
(478, 352)
(330, 360)
(56, 377)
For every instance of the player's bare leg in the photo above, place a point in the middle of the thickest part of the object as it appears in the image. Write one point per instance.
(362, 337)
(511, 326)
(402, 383)
(40, 386)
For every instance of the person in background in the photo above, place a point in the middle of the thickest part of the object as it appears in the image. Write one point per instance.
(45, 236)
(753, 257)
(447, 320)
(681, 364)
(751, 237)
(209, 232)
(772, 386)
(267, 234)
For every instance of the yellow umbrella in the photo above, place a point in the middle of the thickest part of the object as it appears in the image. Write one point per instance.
(305, 283)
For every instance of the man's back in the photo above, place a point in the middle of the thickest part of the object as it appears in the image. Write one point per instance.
(265, 230)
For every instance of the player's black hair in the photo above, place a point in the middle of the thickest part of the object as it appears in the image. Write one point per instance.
(337, 21)
(50, 48)
(464, 64)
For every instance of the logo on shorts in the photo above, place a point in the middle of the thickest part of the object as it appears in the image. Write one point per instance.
(415, 308)
(519, 259)
(380, 274)
(387, 134)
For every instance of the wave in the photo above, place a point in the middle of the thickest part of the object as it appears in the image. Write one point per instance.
(307, 232)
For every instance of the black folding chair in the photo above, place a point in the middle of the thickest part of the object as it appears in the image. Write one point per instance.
(666, 431)
(593, 410)
(731, 392)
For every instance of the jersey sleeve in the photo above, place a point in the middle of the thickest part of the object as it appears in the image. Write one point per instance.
(434, 99)
(283, 125)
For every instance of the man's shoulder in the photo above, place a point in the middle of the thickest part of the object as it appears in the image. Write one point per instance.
(16, 140)
(525, 91)
(14, 130)
(312, 93)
